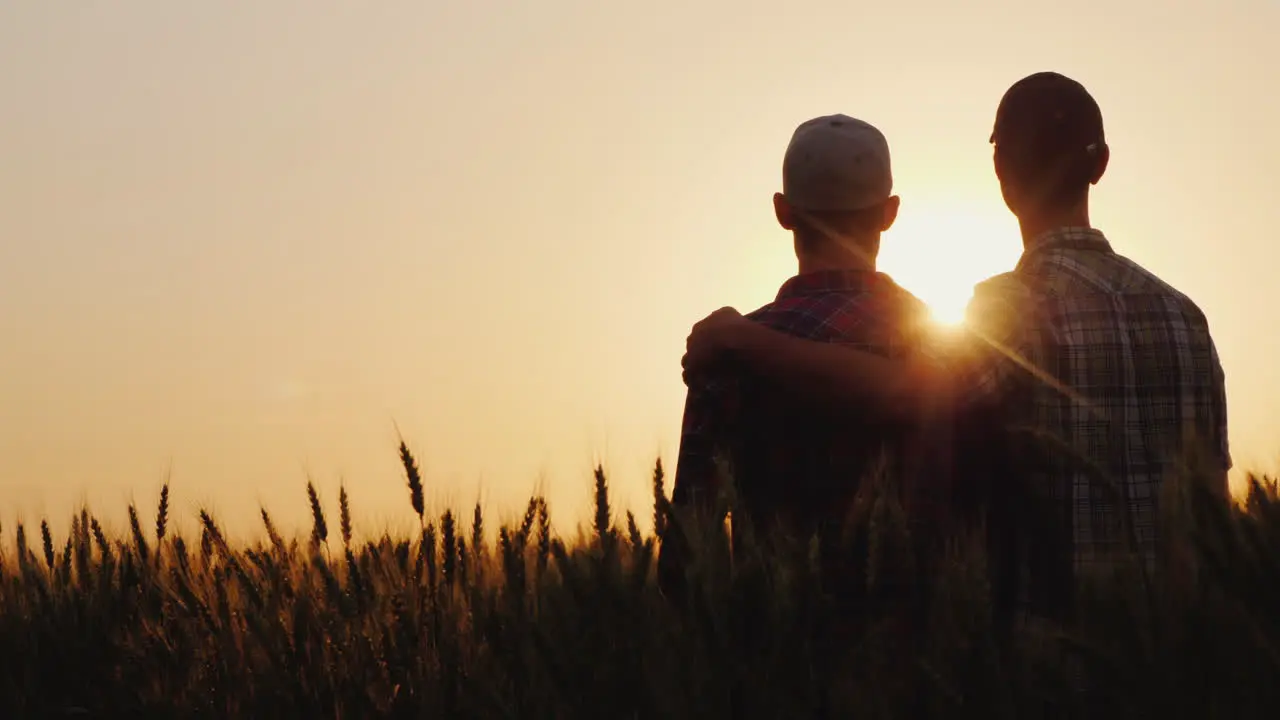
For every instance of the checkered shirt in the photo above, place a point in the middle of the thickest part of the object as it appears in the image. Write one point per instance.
(790, 460)
(1112, 375)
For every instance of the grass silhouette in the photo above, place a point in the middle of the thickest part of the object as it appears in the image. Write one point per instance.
(436, 625)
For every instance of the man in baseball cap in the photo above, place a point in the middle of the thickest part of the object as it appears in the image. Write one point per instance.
(793, 468)
(837, 183)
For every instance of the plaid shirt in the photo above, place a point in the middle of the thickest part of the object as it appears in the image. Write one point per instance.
(789, 461)
(1111, 375)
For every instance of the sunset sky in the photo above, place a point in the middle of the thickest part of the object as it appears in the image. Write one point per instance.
(245, 240)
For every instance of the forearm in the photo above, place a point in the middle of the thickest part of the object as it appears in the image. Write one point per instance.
(836, 377)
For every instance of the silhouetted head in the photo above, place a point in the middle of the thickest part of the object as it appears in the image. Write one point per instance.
(1049, 144)
(837, 189)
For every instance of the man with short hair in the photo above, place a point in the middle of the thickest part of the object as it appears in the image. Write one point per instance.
(794, 468)
(1112, 372)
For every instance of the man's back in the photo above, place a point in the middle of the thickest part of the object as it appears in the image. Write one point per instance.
(790, 462)
(1130, 375)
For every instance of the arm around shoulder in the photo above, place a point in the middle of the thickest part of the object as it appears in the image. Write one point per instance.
(836, 377)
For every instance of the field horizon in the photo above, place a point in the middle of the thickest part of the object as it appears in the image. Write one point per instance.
(547, 623)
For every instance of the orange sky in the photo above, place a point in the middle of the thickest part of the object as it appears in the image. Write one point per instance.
(242, 238)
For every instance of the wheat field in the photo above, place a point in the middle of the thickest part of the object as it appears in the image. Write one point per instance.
(448, 623)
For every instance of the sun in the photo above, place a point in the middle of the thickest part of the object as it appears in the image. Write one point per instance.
(947, 312)
(940, 251)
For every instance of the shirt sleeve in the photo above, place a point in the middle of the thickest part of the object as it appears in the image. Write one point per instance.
(1219, 401)
(708, 414)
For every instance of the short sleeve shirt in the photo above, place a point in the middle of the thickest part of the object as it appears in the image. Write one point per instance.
(1111, 372)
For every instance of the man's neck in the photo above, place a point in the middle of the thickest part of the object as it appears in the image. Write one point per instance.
(820, 264)
(849, 257)
(1033, 226)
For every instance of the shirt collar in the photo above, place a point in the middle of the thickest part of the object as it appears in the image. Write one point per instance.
(827, 281)
(1065, 238)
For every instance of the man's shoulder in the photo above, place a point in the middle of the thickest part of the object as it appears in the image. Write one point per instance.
(1005, 286)
(1005, 299)
(1002, 312)
(1155, 285)
(858, 315)
(879, 294)
(763, 312)
(903, 299)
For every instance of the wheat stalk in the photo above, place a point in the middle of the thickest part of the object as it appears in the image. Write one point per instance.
(319, 528)
(345, 515)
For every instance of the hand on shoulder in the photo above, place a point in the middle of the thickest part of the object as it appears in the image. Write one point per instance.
(710, 339)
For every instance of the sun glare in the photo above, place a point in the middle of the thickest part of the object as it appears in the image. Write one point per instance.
(947, 312)
(941, 251)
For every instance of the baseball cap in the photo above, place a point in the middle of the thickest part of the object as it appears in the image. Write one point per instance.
(1047, 114)
(836, 163)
